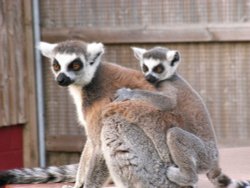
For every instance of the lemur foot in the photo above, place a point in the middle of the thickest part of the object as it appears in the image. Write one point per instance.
(188, 180)
(70, 186)
(123, 94)
(67, 186)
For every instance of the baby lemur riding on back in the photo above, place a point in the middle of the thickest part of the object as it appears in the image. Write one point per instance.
(192, 143)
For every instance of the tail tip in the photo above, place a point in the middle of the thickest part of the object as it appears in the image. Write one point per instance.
(5, 177)
(239, 184)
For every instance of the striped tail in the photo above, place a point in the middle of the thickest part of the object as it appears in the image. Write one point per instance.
(239, 184)
(51, 174)
(221, 180)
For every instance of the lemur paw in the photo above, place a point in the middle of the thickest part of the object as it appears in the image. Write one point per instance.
(70, 186)
(123, 94)
(185, 180)
(173, 172)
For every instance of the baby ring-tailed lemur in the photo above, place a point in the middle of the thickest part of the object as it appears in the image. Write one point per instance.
(192, 144)
(128, 136)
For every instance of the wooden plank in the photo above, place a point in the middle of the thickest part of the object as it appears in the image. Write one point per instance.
(30, 129)
(19, 65)
(11, 64)
(4, 110)
(186, 33)
(65, 143)
(12, 85)
(55, 158)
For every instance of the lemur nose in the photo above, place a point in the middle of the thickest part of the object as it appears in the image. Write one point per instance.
(150, 78)
(63, 80)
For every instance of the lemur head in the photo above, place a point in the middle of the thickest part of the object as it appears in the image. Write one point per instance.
(73, 62)
(157, 63)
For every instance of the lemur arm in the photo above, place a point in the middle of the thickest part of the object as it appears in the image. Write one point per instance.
(97, 172)
(160, 100)
(92, 169)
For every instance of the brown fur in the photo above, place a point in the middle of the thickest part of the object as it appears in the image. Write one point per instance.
(100, 92)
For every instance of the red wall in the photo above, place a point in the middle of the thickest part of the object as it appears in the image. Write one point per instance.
(11, 147)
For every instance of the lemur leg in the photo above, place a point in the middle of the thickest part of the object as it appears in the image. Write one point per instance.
(131, 156)
(190, 154)
(97, 173)
(83, 166)
(92, 171)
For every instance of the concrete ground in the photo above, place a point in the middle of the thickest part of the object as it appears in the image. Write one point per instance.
(235, 162)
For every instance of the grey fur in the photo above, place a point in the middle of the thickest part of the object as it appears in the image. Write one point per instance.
(70, 47)
(131, 155)
(156, 53)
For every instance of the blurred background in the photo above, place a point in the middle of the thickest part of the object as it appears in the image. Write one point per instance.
(212, 36)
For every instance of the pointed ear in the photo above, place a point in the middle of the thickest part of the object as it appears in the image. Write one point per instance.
(46, 49)
(138, 52)
(173, 57)
(95, 50)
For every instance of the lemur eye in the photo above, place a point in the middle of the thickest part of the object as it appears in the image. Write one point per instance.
(159, 69)
(144, 68)
(76, 65)
(56, 65)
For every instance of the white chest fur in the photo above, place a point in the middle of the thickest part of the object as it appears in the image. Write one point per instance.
(76, 93)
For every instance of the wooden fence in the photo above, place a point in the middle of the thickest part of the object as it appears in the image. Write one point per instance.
(17, 83)
(212, 36)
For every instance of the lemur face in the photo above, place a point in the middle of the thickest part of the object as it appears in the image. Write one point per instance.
(158, 63)
(67, 68)
(73, 62)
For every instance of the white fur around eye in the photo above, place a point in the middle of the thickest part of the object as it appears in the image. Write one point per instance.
(151, 63)
(64, 60)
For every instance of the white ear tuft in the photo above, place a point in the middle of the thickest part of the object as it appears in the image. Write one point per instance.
(46, 49)
(173, 57)
(95, 49)
(138, 52)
